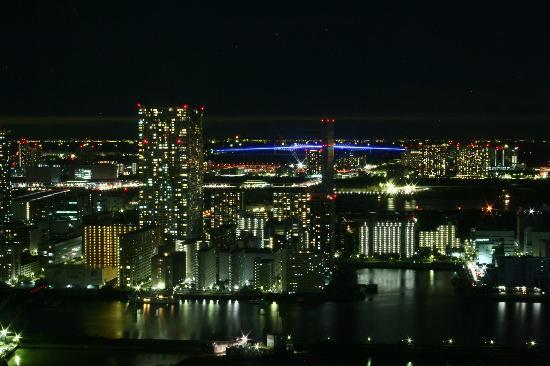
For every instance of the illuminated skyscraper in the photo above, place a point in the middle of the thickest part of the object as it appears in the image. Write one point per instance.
(322, 199)
(5, 184)
(171, 168)
(101, 244)
(29, 153)
(364, 239)
(225, 208)
(10, 248)
(313, 163)
(292, 205)
(136, 250)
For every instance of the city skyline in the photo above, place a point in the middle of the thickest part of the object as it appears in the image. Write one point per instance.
(285, 184)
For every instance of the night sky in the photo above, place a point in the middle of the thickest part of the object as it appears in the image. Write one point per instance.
(381, 68)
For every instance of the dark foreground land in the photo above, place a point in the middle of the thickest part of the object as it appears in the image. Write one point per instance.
(324, 353)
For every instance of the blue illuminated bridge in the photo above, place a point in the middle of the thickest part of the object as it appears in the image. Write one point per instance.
(309, 147)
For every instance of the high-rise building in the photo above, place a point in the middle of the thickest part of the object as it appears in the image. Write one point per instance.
(302, 272)
(250, 227)
(428, 160)
(313, 162)
(101, 241)
(364, 239)
(323, 219)
(10, 254)
(167, 269)
(225, 208)
(136, 250)
(263, 274)
(242, 265)
(472, 161)
(10, 247)
(214, 268)
(29, 153)
(292, 205)
(171, 167)
(441, 239)
(5, 176)
(323, 222)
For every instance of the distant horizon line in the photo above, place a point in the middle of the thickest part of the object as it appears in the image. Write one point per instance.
(422, 118)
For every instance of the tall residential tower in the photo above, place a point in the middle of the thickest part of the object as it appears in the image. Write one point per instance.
(5, 184)
(171, 168)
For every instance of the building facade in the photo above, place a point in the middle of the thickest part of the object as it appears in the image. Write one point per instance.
(443, 238)
(171, 168)
(388, 237)
(302, 272)
(472, 161)
(136, 250)
(428, 160)
(102, 244)
(5, 178)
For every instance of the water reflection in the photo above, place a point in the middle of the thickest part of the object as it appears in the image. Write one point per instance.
(421, 304)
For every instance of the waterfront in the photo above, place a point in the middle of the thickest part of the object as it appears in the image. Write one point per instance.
(419, 304)
(66, 357)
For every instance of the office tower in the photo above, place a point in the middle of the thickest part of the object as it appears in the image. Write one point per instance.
(225, 207)
(136, 250)
(441, 239)
(428, 160)
(389, 237)
(5, 176)
(472, 161)
(171, 168)
(302, 272)
(313, 162)
(101, 241)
